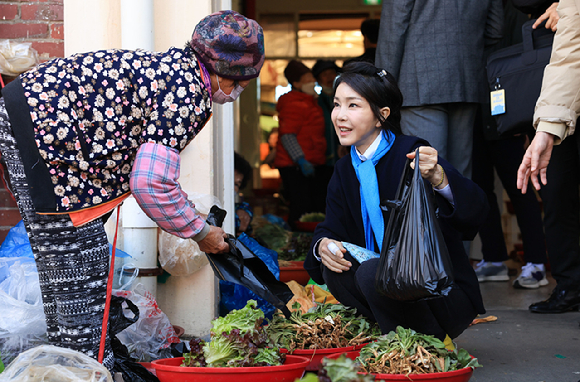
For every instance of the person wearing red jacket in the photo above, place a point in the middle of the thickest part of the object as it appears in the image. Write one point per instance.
(301, 147)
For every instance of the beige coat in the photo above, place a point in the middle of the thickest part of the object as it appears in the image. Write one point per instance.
(558, 106)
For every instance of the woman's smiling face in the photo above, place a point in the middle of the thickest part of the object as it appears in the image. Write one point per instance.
(353, 119)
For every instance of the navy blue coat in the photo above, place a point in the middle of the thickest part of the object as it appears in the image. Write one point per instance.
(343, 220)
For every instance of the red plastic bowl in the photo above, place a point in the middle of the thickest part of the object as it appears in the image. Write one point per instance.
(315, 356)
(462, 375)
(168, 370)
(294, 271)
(305, 226)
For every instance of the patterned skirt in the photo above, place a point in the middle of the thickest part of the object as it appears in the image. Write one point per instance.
(72, 262)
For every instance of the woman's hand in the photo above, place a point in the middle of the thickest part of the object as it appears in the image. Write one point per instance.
(333, 261)
(428, 166)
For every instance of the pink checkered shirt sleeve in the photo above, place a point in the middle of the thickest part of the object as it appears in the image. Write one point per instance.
(154, 185)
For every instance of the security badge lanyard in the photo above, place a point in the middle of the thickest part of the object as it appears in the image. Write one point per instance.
(497, 98)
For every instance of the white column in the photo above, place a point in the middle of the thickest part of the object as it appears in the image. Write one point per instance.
(139, 232)
(137, 25)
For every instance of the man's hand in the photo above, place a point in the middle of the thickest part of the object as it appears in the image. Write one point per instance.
(214, 241)
(334, 261)
(535, 161)
(551, 15)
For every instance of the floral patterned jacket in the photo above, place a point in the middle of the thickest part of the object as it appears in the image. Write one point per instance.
(91, 112)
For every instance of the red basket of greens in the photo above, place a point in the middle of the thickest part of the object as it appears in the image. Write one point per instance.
(325, 329)
(405, 355)
(239, 350)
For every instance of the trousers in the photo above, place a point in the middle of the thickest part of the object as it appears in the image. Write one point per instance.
(505, 157)
(562, 212)
(447, 127)
(449, 315)
(72, 263)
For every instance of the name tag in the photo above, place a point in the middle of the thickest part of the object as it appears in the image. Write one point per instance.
(497, 102)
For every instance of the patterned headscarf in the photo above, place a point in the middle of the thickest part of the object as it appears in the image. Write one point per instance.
(230, 45)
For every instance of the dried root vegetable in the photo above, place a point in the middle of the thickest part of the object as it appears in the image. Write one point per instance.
(406, 352)
(324, 326)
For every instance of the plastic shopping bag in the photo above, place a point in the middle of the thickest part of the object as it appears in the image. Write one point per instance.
(414, 262)
(51, 363)
(182, 257)
(235, 296)
(17, 57)
(151, 336)
(241, 266)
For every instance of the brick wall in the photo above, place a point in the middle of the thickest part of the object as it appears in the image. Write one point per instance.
(41, 23)
(38, 22)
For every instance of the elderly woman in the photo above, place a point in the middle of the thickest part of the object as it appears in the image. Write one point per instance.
(82, 133)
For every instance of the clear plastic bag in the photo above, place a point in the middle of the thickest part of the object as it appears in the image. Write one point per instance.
(47, 363)
(17, 57)
(22, 322)
(182, 257)
(152, 335)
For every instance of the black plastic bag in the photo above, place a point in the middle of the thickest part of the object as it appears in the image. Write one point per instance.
(124, 364)
(241, 266)
(414, 262)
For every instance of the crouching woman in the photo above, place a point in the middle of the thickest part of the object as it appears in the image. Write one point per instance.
(366, 116)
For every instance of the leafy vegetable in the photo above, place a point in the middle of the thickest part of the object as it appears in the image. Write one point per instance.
(237, 340)
(195, 358)
(271, 235)
(324, 326)
(342, 369)
(309, 377)
(405, 351)
(242, 319)
(312, 217)
(297, 247)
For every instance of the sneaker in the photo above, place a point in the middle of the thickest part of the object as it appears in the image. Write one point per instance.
(533, 276)
(486, 271)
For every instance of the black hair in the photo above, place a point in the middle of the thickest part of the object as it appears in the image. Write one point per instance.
(370, 29)
(378, 87)
(244, 168)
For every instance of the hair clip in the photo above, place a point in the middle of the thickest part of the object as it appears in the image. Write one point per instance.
(382, 73)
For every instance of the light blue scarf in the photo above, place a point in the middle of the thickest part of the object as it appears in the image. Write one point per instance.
(372, 215)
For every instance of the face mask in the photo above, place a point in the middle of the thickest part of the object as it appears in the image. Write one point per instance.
(222, 98)
(308, 88)
(327, 90)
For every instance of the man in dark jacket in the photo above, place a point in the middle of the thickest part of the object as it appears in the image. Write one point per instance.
(435, 51)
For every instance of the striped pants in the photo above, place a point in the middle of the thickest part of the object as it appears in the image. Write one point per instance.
(72, 262)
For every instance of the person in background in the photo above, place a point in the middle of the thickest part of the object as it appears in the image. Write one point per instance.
(244, 214)
(82, 133)
(366, 116)
(272, 141)
(325, 72)
(301, 147)
(435, 52)
(369, 29)
(552, 164)
(504, 154)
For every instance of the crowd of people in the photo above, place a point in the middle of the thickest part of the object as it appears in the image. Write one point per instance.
(419, 88)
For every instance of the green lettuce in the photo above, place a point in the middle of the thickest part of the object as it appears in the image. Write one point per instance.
(237, 340)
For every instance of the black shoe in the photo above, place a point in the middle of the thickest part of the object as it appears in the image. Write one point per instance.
(561, 300)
